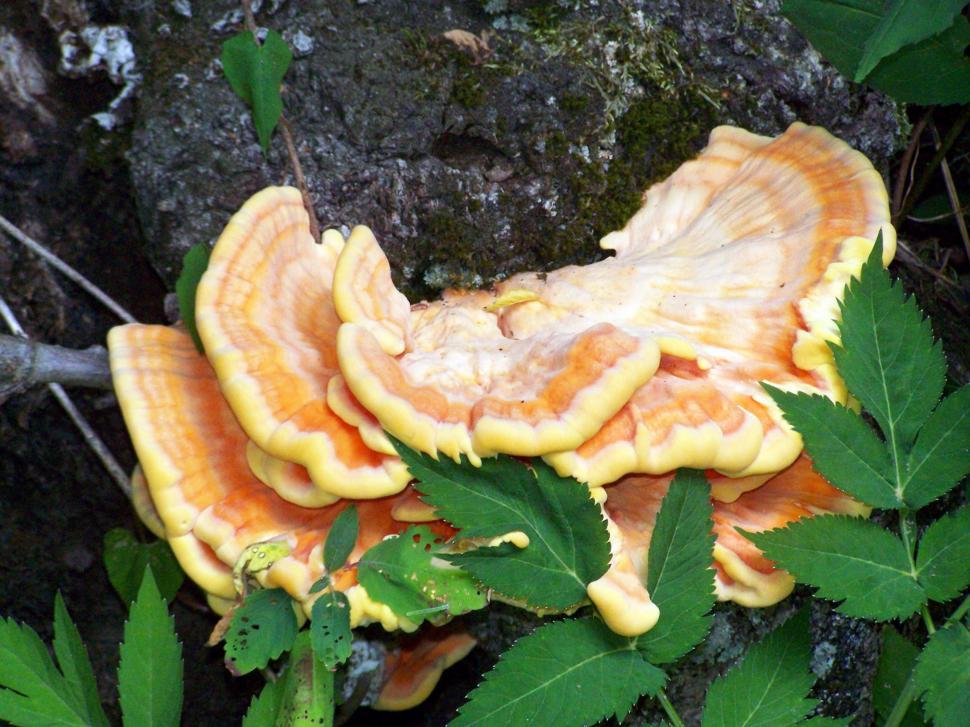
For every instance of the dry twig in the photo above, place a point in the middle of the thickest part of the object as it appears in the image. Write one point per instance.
(26, 363)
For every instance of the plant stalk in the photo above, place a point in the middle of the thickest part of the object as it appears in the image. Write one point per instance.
(669, 709)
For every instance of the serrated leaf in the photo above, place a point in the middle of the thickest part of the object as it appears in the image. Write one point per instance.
(770, 685)
(308, 698)
(843, 448)
(904, 22)
(679, 576)
(75, 665)
(943, 561)
(341, 539)
(572, 672)
(255, 73)
(330, 633)
(568, 541)
(941, 456)
(408, 574)
(125, 559)
(888, 357)
(262, 628)
(943, 672)
(32, 691)
(827, 722)
(848, 559)
(150, 672)
(263, 709)
(896, 661)
(194, 265)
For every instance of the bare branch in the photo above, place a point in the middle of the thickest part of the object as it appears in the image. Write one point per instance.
(26, 363)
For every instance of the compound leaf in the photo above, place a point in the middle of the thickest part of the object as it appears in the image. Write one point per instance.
(943, 561)
(262, 628)
(194, 265)
(341, 539)
(888, 357)
(330, 633)
(850, 560)
(125, 559)
(568, 544)
(150, 672)
(679, 577)
(572, 672)
(943, 673)
(843, 448)
(770, 685)
(941, 456)
(72, 658)
(408, 573)
(255, 73)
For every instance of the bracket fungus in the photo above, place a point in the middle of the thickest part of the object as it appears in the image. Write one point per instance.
(616, 373)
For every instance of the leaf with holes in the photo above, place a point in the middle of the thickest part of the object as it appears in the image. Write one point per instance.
(408, 573)
(262, 628)
(330, 632)
(308, 694)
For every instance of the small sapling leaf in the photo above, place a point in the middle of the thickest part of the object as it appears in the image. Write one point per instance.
(770, 685)
(341, 539)
(262, 628)
(72, 657)
(330, 633)
(896, 662)
(264, 708)
(408, 574)
(194, 265)
(568, 544)
(150, 672)
(255, 73)
(125, 559)
(572, 672)
(943, 673)
(679, 577)
(850, 560)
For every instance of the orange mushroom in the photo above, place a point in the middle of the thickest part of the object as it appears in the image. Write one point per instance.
(412, 671)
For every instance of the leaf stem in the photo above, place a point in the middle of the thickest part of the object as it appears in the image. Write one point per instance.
(928, 620)
(961, 610)
(669, 709)
(906, 532)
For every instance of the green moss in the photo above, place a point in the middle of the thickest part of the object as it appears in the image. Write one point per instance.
(573, 103)
(467, 90)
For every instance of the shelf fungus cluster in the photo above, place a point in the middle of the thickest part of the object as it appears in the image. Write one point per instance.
(615, 373)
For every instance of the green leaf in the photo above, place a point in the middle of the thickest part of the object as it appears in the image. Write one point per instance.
(843, 448)
(262, 628)
(827, 722)
(571, 672)
(941, 456)
(341, 539)
(937, 208)
(330, 632)
(32, 691)
(568, 541)
(904, 22)
(255, 73)
(770, 685)
(264, 708)
(308, 698)
(150, 672)
(408, 574)
(943, 562)
(847, 558)
(841, 29)
(125, 559)
(904, 75)
(943, 672)
(72, 657)
(679, 576)
(896, 662)
(194, 265)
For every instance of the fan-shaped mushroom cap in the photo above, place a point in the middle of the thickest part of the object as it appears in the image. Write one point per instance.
(265, 313)
(742, 574)
(412, 671)
(732, 270)
(141, 500)
(193, 454)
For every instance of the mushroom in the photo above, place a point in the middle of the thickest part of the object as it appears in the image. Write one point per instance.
(412, 671)
(651, 359)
